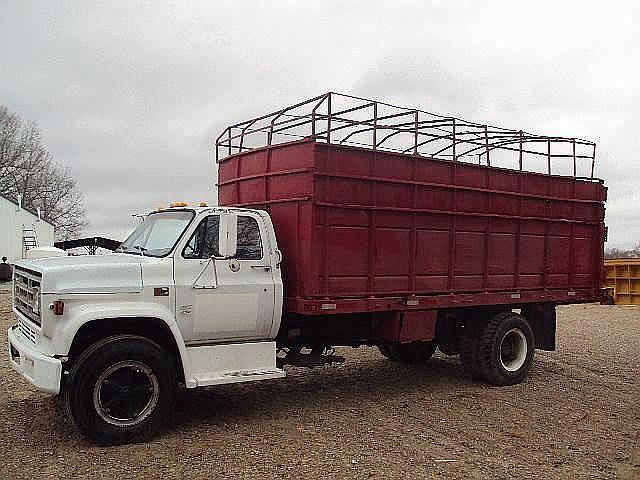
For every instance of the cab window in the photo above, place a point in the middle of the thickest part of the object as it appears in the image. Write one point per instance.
(249, 242)
(204, 240)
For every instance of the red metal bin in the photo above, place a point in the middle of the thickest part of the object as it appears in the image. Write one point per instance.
(369, 228)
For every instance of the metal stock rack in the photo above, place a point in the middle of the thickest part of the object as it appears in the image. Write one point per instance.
(349, 120)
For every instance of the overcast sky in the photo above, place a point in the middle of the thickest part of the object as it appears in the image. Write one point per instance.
(131, 95)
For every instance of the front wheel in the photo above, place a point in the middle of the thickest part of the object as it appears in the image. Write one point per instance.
(121, 390)
(505, 349)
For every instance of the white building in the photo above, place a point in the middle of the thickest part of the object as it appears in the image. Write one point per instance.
(21, 230)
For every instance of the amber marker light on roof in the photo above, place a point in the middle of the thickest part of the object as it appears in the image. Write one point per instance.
(179, 204)
(203, 204)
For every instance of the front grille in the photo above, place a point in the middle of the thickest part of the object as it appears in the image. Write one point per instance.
(27, 330)
(26, 294)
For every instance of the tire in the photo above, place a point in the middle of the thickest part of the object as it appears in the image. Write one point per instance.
(448, 349)
(414, 353)
(469, 349)
(505, 349)
(121, 390)
(384, 350)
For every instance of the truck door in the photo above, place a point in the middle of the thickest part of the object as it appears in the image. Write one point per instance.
(229, 299)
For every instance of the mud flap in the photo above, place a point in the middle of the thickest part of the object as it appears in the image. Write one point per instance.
(542, 318)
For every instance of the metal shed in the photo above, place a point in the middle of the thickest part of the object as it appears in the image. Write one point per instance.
(21, 230)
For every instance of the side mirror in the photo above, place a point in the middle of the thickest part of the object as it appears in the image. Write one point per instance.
(228, 235)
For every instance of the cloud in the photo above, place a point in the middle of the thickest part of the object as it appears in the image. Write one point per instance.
(132, 95)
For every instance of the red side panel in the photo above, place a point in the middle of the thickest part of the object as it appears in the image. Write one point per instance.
(280, 180)
(363, 230)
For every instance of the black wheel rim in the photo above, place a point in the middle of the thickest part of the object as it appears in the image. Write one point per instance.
(126, 393)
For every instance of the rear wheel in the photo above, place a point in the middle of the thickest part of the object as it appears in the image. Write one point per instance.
(413, 353)
(448, 349)
(121, 390)
(505, 349)
(384, 350)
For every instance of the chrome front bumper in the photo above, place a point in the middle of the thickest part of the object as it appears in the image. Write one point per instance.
(42, 371)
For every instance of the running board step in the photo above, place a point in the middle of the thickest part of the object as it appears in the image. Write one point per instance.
(222, 378)
(232, 363)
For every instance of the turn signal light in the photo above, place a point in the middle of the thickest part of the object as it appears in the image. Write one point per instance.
(57, 307)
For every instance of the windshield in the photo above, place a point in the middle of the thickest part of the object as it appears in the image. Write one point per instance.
(157, 234)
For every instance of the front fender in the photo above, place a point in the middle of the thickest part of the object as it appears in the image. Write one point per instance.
(77, 315)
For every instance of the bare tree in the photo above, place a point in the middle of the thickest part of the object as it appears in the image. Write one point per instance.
(28, 170)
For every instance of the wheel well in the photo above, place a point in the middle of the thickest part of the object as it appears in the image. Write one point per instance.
(452, 321)
(540, 316)
(152, 328)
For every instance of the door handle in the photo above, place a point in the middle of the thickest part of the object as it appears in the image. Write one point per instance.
(266, 268)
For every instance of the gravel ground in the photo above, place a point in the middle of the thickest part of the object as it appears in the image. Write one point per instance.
(577, 416)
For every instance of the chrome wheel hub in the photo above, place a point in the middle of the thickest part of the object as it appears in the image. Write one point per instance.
(513, 350)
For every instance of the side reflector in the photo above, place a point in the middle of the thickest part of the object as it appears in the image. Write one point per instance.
(161, 292)
(57, 307)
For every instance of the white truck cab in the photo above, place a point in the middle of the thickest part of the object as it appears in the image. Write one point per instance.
(193, 296)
